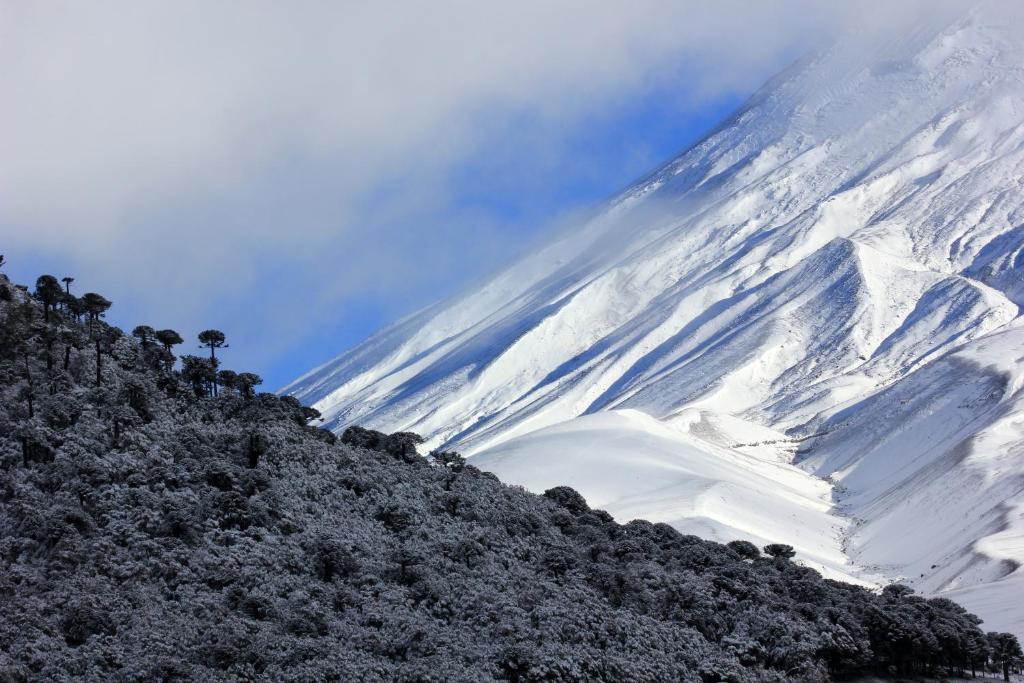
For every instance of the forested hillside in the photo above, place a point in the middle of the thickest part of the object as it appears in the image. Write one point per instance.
(160, 520)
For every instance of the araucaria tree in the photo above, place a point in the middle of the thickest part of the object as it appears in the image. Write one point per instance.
(246, 382)
(780, 551)
(75, 306)
(213, 339)
(96, 306)
(168, 338)
(1005, 652)
(145, 334)
(201, 373)
(48, 292)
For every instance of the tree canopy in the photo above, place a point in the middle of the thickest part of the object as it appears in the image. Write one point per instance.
(150, 530)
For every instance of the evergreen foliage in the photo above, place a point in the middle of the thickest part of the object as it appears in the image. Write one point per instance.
(48, 291)
(152, 531)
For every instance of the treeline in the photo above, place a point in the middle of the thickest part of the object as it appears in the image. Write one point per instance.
(164, 521)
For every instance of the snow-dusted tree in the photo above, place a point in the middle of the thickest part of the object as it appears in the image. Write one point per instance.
(200, 373)
(153, 535)
(745, 549)
(228, 379)
(1005, 652)
(247, 381)
(780, 551)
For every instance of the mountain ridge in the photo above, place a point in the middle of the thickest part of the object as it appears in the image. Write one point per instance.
(851, 228)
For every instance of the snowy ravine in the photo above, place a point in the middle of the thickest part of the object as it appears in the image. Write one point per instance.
(833, 274)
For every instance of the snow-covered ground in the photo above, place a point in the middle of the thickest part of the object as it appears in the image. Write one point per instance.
(840, 264)
(637, 467)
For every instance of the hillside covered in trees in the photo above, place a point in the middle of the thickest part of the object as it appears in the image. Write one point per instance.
(160, 520)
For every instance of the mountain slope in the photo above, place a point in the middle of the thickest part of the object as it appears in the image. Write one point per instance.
(154, 528)
(860, 219)
(636, 467)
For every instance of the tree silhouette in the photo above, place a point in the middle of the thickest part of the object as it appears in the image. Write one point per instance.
(2, 261)
(75, 305)
(144, 333)
(201, 373)
(96, 306)
(213, 339)
(228, 379)
(168, 338)
(246, 382)
(69, 338)
(48, 292)
(67, 280)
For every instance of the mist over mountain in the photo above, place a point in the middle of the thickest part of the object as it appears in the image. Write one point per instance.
(824, 292)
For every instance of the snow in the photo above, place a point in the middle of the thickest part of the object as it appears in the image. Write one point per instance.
(933, 470)
(637, 467)
(843, 258)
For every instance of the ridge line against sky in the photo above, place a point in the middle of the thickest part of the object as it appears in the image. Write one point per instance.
(300, 175)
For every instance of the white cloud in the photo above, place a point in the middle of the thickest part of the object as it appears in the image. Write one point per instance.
(199, 145)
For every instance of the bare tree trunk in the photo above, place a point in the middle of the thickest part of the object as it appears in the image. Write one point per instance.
(28, 378)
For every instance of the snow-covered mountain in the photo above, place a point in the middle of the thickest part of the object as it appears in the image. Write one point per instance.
(804, 328)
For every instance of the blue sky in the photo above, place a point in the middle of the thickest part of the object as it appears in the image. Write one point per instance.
(300, 174)
(600, 158)
(605, 158)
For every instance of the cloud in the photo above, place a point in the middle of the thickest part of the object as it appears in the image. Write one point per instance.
(244, 155)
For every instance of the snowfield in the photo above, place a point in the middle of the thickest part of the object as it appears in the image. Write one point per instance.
(637, 467)
(834, 274)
